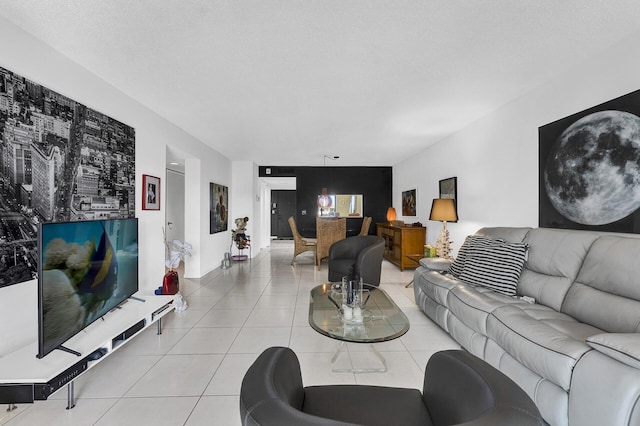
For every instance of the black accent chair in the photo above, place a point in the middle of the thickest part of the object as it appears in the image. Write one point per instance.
(361, 255)
(458, 388)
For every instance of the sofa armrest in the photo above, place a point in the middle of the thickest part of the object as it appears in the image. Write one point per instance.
(624, 347)
(435, 263)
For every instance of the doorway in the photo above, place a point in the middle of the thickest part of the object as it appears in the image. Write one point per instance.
(174, 202)
(283, 206)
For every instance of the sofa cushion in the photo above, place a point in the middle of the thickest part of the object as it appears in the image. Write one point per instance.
(509, 234)
(606, 293)
(435, 284)
(553, 262)
(337, 402)
(549, 343)
(494, 264)
(472, 305)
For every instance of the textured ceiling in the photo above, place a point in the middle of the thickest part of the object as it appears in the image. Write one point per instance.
(285, 82)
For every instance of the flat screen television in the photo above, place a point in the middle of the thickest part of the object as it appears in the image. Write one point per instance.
(85, 270)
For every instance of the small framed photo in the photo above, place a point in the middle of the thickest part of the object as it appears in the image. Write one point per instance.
(409, 203)
(150, 192)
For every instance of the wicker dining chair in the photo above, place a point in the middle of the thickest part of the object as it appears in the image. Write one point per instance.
(328, 231)
(301, 244)
(366, 223)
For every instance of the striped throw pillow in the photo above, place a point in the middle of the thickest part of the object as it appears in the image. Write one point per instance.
(457, 266)
(495, 265)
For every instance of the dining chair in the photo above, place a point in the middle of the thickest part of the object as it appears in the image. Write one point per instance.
(301, 244)
(366, 223)
(328, 231)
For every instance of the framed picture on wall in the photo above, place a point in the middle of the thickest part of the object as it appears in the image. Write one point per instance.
(409, 203)
(449, 190)
(588, 166)
(150, 192)
(218, 205)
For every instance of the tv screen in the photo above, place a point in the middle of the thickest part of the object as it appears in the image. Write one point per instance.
(85, 270)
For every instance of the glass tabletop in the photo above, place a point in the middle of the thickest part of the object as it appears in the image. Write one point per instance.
(382, 319)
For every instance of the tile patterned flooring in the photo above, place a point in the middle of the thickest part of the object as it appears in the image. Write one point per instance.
(190, 374)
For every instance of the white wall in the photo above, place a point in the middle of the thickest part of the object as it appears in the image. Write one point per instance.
(208, 249)
(496, 158)
(36, 61)
(257, 240)
(242, 199)
(249, 198)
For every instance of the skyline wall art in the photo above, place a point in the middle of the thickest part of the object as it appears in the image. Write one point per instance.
(60, 161)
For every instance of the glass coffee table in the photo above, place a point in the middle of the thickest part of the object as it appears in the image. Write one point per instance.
(382, 320)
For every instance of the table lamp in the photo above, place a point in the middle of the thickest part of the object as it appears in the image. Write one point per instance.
(444, 210)
(391, 214)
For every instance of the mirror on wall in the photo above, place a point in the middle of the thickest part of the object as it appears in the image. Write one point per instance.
(342, 205)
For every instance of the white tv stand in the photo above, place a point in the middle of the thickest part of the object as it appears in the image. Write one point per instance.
(24, 378)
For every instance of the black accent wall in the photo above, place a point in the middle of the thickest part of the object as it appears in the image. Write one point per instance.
(374, 183)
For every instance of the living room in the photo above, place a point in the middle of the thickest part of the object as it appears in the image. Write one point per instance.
(495, 158)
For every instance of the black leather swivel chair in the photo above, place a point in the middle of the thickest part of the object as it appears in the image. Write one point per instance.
(458, 388)
(362, 254)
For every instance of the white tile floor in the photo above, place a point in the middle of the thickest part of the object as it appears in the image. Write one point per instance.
(191, 373)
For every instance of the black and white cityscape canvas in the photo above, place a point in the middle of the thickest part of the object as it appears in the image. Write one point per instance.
(589, 166)
(61, 161)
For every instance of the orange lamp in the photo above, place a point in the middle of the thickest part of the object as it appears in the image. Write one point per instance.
(391, 214)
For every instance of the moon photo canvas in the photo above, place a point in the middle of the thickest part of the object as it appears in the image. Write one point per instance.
(589, 168)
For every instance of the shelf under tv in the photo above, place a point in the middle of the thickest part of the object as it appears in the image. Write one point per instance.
(25, 378)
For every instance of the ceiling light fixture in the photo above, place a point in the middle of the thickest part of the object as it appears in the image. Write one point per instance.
(335, 157)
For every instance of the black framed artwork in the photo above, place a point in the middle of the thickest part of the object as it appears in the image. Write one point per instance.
(409, 203)
(150, 192)
(218, 205)
(449, 189)
(589, 168)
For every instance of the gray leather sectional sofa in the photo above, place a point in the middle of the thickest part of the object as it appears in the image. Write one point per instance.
(573, 342)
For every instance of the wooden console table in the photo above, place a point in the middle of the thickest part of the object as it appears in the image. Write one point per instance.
(399, 241)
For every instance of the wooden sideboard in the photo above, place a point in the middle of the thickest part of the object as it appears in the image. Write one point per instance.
(400, 241)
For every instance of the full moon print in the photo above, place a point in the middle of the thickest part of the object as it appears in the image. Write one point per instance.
(592, 174)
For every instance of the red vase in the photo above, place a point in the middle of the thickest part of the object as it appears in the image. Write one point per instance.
(170, 283)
